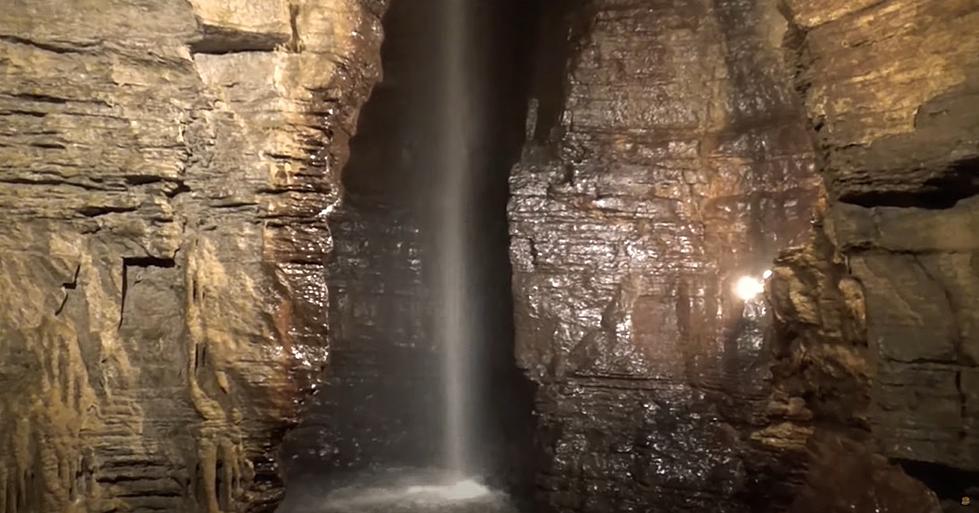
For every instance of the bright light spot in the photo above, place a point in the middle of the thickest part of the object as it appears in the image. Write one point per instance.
(767, 274)
(327, 211)
(461, 491)
(748, 288)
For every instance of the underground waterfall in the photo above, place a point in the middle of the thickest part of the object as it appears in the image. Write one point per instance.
(455, 330)
(422, 400)
(489, 256)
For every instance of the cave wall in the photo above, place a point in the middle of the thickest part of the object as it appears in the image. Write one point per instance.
(898, 135)
(670, 157)
(379, 304)
(165, 167)
(875, 316)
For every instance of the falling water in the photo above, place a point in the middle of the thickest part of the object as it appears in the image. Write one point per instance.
(432, 143)
(454, 324)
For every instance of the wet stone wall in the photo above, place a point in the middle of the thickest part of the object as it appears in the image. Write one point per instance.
(878, 307)
(379, 305)
(669, 158)
(900, 152)
(164, 168)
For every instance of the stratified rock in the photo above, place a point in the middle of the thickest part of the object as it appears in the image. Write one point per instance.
(163, 167)
(821, 362)
(921, 323)
(892, 90)
(821, 375)
(846, 477)
(672, 162)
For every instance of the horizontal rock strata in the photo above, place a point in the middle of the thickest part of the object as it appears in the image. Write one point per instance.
(671, 160)
(874, 331)
(163, 171)
(891, 88)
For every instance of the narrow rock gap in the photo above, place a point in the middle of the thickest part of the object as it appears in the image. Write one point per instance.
(295, 43)
(222, 41)
(380, 403)
(51, 47)
(66, 287)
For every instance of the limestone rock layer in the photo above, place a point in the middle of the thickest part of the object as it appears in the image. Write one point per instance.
(670, 160)
(873, 339)
(891, 88)
(164, 167)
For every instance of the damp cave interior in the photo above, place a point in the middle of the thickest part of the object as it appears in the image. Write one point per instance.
(508, 256)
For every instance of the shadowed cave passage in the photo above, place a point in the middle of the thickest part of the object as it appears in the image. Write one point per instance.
(381, 404)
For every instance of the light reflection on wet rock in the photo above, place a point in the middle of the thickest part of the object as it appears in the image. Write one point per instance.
(679, 163)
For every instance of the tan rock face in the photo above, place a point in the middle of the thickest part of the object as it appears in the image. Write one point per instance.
(164, 168)
(167, 170)
(875, 322)
(822, 368)
(243, 22)
(891, 88)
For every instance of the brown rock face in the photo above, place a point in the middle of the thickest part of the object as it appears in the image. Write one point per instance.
(672, 161)
(164, 170)
(176, 263)
(873, 335)
(845, 476)
(819, 338)
(891, 88)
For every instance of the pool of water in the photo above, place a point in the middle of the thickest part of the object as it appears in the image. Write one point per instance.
(395, 491)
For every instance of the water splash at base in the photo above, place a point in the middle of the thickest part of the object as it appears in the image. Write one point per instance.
(401, 491)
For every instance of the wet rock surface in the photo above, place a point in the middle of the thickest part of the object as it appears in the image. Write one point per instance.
(906, 213)
(872, 335)
(164, 169)
(176, 272)
(378, 398)
(669, 160)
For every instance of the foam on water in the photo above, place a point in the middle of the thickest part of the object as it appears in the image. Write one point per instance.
(400, 491)
(458, 491)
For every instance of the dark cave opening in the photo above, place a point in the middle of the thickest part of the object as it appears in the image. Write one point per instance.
(950, 484)
(944, 191)
(380, 404)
